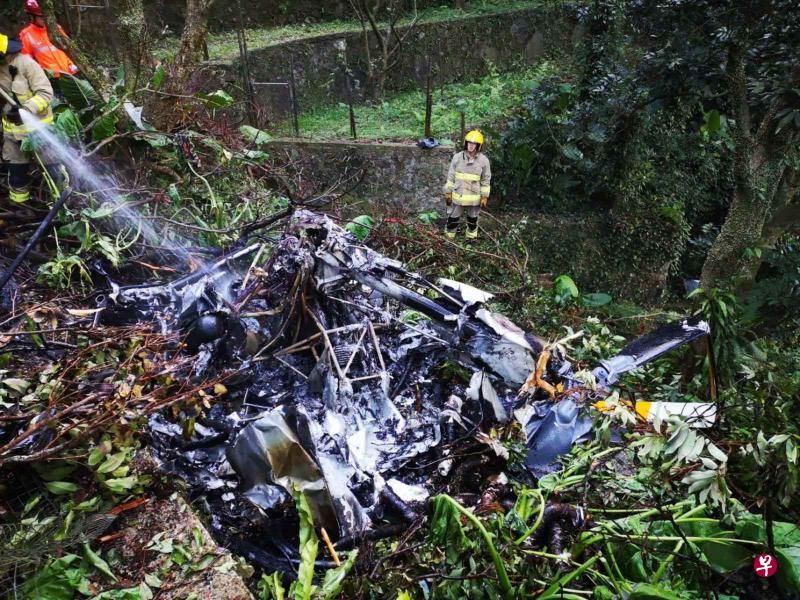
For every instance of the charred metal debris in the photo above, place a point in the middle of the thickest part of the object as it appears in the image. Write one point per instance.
(332, 358)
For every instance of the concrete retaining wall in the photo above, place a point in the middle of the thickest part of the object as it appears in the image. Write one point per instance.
(258, 13)
(457, 50)
(392, 178)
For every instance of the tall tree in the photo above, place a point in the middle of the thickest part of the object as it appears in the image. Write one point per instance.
(387, 39)
(740, 55)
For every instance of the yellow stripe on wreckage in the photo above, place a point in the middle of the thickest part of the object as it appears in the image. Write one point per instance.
(699, 415)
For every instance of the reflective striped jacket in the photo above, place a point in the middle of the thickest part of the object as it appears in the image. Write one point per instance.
(468, 178)
(32, 89)
(36, 42)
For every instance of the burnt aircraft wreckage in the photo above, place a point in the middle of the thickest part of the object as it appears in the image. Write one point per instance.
(333, 357)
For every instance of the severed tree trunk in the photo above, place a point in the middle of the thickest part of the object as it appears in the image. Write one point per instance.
(193, 40)
(163, 109)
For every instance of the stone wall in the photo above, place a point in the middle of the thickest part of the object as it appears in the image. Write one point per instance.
(392, 178)
(258, 13)
(456, 50)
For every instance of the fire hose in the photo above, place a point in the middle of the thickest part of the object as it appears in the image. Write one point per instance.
(37, 235)
(7, 96)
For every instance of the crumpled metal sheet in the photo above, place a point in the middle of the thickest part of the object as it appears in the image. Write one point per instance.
(649, 347)
(269, 450)
(551, 430)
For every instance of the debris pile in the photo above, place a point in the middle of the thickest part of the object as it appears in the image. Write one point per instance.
(337, 364)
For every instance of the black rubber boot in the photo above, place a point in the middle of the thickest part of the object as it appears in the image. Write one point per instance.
(472, 228)
(451, 227)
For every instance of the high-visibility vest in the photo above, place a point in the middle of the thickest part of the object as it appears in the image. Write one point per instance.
(36, 43)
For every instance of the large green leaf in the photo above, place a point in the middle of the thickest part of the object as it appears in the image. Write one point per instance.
(647, 591)
(79, 93)
(596, 299)
(787, 547)
(565, 289)
(61, 488)
(254, 135)
(334, 578)
(68, 125)
(56, 581)
(97, 562)
(360, 226)
(303, 588)
(218, 99)
(105, 127)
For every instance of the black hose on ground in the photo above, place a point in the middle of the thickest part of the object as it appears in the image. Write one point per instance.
(37, 235)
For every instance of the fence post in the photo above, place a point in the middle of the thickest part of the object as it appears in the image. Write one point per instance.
(293, 93)
(245, 58)
(428, 101)
(350, 103)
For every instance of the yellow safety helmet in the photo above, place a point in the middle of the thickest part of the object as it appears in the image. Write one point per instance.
(474, 136)
(9, 45)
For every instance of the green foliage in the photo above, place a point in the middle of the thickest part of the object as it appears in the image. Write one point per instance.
(360, 226)
(446, 530)
(720, 308)
(60, 579)
(775, 295)
(565, 290)
(254, 135)
(158, 77)
(303, 586)
(429, 217)
(271, 587)
(218, 99)
(68, 125)
(78, 92)
(106, 124)
(596, 299)
(63, 271)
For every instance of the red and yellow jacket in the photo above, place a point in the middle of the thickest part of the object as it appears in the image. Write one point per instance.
(36, 43)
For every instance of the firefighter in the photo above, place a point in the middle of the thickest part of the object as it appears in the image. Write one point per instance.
(468, 186)
(25, 88)
(36, 42)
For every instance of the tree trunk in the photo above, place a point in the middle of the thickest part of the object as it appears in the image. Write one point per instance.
(87, 70)
(745, 220)
(193, 39)
(163, 108)
(132, 45)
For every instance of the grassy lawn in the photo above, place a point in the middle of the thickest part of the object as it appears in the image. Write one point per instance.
(402, 117)
(225, 45)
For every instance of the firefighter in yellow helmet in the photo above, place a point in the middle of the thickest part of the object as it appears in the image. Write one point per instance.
(468, 185)
(25, 87)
